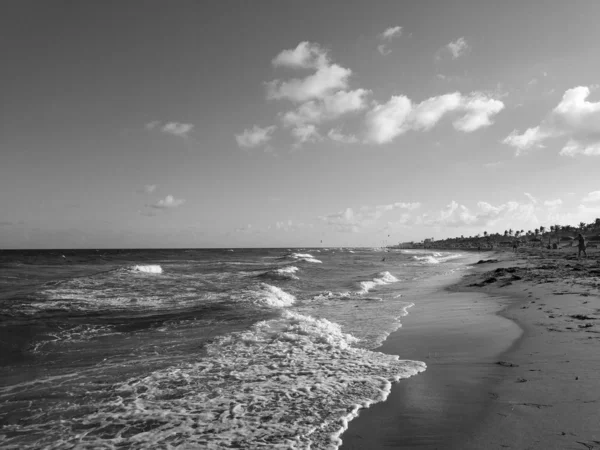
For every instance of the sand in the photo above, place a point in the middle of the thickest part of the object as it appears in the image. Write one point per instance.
(513, 354)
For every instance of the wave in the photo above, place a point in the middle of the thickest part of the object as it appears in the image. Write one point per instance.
(265, 295)
(436, 258)
(78, 333)
(382, 278)
(151, 268)
(307, 257)
(286, 273)
(299, 377)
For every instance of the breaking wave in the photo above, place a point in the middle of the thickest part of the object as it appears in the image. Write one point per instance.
(152, 268)
(382, 278)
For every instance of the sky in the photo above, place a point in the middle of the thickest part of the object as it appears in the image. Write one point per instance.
(294, 124)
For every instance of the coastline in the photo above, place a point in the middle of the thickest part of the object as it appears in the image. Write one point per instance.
(523, 385)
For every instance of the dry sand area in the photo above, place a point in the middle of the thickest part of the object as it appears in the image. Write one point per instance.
(549, 395)
(534, 388)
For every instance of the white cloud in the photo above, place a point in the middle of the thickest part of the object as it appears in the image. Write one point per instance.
(531, 137)
(149, 188)
(246, 229)
(306, 55)
(386, 122)
(574, 117)
(458, 48)
(349, 220)
(343, 221)
(386, 37)
(327, 78)
(591, 197)
(305, 133)
(177, 129)
(480, 108)
(168, 202)
(337, 136)
(531, 198)
(255, 136)
(553, 203)
(383, 49)
(329, 107)
(174, 128)
(428, 113)
(390, 33)
(456, 215)
(574, 147)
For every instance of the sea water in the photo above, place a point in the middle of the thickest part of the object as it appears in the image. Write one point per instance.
(256, 348)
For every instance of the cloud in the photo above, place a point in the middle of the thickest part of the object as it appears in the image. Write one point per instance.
(247, 229)
(383, 49)
(574, 117)
(343, 221)
(390, 33)
(168, 202)
(458, 48)
(457, 215)
(173, 128)
(327, 78)
(177, 129)
(493, 164)
(255, 136)
(329, 107)
(531, 198)
(387, 121)
(591, 197)
(553, 203)
(5, 223)
(305, 56)
(305, 133)
(351, 221)
(336, 135)
(149, 188)
(386, 37)
(531, 137)
(427, 113)
(480, 108)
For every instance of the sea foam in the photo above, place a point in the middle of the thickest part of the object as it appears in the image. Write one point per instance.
(286, 273)
(264, 294)
(152, 268)
(382, 278)
(304, 257)
(291, 382)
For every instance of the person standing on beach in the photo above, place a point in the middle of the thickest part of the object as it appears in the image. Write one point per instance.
(581, 245)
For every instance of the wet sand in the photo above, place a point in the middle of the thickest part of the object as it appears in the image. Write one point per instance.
(513, 355)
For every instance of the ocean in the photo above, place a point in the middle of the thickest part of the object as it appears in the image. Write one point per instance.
(228, 348)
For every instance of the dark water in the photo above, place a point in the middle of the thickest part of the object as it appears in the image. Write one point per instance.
(198, 348)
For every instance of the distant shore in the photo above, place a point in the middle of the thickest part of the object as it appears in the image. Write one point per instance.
(513, 360)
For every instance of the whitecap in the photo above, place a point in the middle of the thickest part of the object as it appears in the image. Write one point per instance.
(151, 268)
(382, 278)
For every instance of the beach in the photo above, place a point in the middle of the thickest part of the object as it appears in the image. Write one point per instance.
(522, 373)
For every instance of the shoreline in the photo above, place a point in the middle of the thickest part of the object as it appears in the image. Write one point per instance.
(478, 403)
(437, 408)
